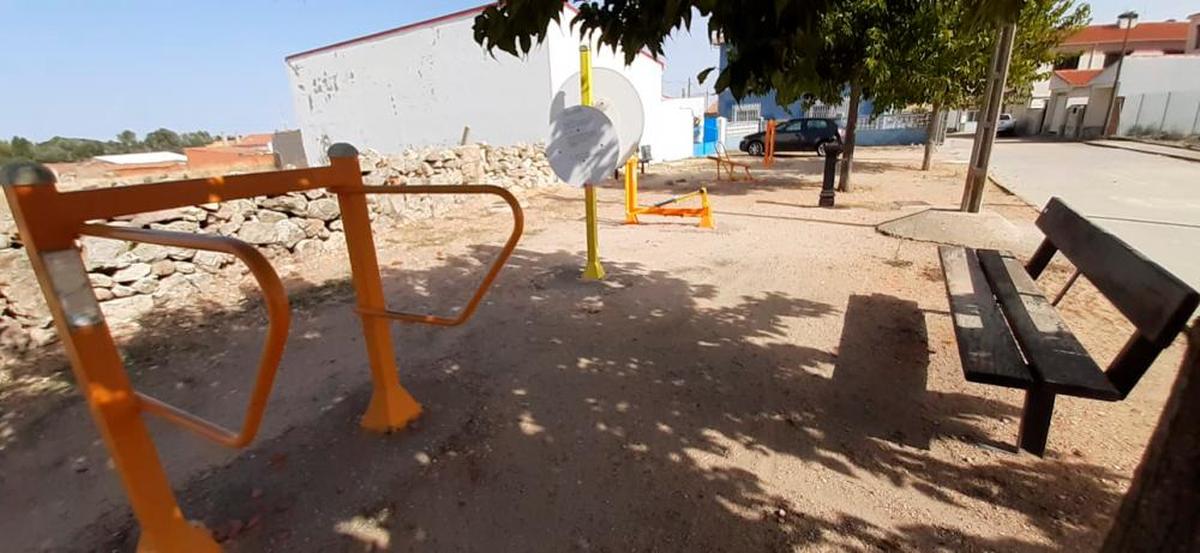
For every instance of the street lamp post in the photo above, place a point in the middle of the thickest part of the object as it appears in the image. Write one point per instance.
(1130, 19)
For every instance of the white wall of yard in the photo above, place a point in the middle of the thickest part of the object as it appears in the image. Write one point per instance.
(1160, 74)
(418, 87)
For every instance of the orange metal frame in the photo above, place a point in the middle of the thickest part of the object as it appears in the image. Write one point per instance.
(769, 154)
(632, 209)
(50, 223)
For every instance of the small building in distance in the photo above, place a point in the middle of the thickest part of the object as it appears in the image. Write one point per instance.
(1073, 101)
(421, 84)
(130, 166)
(252, 152)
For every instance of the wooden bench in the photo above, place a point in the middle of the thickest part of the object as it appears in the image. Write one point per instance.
(723, 160)
(1009, 334)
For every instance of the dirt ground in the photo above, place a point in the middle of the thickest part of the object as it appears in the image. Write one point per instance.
(785, 382)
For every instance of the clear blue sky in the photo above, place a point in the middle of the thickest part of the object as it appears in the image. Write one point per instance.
(92, 69)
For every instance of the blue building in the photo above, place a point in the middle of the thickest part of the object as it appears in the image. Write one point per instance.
(748, 116)
(755, 107)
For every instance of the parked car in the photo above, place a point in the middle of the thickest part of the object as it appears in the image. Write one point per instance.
(807, 134)
(1006, 125)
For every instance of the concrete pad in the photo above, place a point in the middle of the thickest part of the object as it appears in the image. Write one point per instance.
(976, 230)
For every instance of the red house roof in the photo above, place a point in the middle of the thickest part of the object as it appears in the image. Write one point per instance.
(1078, 77)
(1142, 32)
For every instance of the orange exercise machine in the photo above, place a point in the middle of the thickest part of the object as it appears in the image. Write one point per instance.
(632, 209)
(51, 222)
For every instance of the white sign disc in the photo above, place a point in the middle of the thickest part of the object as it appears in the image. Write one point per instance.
(613, 94)
(583, 146)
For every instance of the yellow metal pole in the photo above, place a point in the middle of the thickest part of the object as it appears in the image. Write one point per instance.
(706, 220)
(391, 407)
(593, 270)
(631, 184)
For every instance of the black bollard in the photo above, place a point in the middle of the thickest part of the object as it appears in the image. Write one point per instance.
(832, 151)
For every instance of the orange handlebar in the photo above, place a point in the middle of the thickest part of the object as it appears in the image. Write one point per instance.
(505, 253)
(278, 316)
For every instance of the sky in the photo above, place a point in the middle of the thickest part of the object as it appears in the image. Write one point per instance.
(93, 69)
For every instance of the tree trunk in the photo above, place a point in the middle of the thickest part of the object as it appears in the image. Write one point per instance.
(848, 150)
(933, 129)
(1161, 512)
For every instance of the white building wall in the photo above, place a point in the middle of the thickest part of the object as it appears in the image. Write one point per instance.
(418, 86)
(1160, 74)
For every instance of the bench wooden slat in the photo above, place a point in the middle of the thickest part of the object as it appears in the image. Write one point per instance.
(1152, 298)
(989, 354)
(1057, 358)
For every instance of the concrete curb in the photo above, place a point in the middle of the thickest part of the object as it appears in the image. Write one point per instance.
(1141, 151)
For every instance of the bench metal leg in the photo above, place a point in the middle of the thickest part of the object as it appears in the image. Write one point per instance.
(1035, 421)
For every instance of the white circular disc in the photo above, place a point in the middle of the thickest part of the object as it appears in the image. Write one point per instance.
(613, 94)
(583, 146)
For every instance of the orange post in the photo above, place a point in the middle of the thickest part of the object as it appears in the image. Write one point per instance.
(391, 406)
(769, 154)
(99, 371)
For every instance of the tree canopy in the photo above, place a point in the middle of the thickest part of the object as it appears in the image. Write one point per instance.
(778, 45)
(61, 149)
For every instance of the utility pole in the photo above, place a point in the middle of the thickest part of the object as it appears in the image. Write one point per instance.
(1130, 19)
(985, 130)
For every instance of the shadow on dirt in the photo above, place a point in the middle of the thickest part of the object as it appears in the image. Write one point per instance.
(622, 416)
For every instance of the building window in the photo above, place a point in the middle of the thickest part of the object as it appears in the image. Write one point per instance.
(1067, 62)
(1197, 46)
(748, 112)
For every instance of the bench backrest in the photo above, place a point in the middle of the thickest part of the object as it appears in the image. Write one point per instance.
(1150, 297)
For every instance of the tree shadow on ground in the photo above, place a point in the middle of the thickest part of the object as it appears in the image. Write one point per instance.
(626, 415)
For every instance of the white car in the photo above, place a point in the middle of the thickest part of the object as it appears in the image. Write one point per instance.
(1006, 125)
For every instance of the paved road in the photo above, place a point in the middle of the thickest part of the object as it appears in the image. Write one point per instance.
(1150, 201)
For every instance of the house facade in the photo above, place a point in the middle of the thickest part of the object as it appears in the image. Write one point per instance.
(1074, 101)
(421, 84)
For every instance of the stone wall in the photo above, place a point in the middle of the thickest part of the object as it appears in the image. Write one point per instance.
(130, 279)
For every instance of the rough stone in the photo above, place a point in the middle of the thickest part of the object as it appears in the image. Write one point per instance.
(147, 253)
(132, 273)
(325, 209)
(162, 268)
(128, 308)
(20, 286)
(122, 291)
(313, 228)
(260, 233)
(335, 225)
(99, 253)
(289, 233)
(42, 337)
(296, 205)
(145, 286)
(270, 216)
(235, 208)
(210, 261)
(5, 241)
(185, 267)
(180, 254)
(103, 294)
(189, 226)
(309, 248)
(100, 280)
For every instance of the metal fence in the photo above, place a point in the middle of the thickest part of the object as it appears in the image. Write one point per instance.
(1167, 114)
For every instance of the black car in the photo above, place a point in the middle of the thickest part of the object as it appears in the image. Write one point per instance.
(807, 134)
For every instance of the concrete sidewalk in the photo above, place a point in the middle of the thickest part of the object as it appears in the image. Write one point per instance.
(1148, 148)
